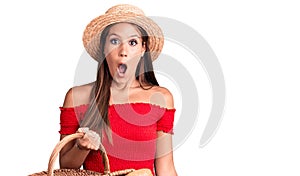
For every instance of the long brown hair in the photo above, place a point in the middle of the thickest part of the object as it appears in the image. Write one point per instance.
(96, 117)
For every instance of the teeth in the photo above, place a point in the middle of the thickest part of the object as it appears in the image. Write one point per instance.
(122, 68)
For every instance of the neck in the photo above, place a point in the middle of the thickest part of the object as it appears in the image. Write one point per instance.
(120, 92)
(125, 86)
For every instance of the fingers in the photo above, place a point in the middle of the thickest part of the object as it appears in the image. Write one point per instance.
(83, 129)
(94, 139)
(90, 140)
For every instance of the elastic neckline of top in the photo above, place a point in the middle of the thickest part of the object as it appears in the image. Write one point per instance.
(124, 104)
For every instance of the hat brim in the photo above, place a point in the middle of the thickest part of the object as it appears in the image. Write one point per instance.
(93, 31)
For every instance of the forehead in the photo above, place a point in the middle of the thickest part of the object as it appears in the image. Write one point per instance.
(124, 30)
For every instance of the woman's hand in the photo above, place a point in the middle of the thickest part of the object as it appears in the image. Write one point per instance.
(90, 140)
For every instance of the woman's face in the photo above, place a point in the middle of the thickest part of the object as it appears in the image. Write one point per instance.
(123, 50)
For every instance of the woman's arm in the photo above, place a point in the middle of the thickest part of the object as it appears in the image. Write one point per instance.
(74, 153)
(71, 155)
(164, 164)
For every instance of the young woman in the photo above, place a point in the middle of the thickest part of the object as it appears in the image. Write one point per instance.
(125, 108)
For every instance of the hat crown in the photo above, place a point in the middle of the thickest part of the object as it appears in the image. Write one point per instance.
(125, 8)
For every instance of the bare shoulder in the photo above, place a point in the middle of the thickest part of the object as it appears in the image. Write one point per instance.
(78, 95)
(162, 96)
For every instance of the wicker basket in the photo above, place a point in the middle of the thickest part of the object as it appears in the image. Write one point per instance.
(81, 172)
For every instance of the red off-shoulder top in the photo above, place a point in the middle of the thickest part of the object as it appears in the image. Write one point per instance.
(134, 127)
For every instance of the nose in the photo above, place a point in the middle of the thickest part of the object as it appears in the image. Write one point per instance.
(123, 50)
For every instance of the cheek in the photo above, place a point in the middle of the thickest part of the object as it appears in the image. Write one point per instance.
(136, 60)
(110, 64)
(132, 64)
(109, 51)
(111, 57)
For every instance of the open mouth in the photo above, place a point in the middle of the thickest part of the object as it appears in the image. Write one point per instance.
(122, 68)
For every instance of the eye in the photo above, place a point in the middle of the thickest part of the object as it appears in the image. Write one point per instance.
(115, 41)
(133, 42)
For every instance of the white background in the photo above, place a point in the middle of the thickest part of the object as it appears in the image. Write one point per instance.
(257, 43)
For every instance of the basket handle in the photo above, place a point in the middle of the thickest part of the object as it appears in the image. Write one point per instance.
(66, 140)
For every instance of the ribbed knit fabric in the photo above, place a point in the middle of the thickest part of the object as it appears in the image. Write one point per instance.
(134, 127)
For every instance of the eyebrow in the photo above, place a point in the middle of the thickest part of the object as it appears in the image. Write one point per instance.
(113, 34)
(133, 35)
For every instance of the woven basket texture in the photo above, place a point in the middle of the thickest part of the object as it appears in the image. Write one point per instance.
(81, 172)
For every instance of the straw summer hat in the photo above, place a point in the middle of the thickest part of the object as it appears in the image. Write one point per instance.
(122, 13)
